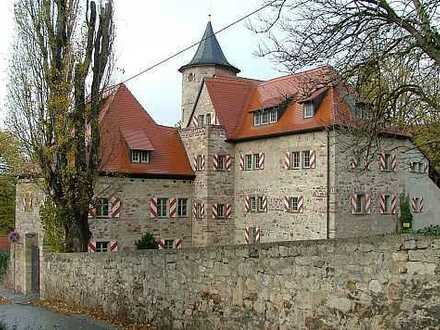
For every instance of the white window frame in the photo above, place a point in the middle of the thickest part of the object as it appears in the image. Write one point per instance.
(168, 244)
(360, 203)
(162, 207)
(296, 166)
(308, 109)
(294, 204)
(253, 204)
(102, 246)
(248, 165)
(201, 120)
(221, 162)
(260, 202)
(102, 208)
(182, 207)
(256, 161)
(135, 156)
(208, 119)
(221, 208)
(387, 203)
(306, 155)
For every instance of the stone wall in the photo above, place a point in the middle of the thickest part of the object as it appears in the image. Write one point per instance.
(379, 282)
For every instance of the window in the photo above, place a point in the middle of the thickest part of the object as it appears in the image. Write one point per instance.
(253, 203)
(102, 246)
(208, 119)
(309, 109)
(162, 207)
(387, 159)
(201, 120)
(169, 244)
(260, 204)
(306, 159)
(221, 162)
(248, 164)
(256, 161)
(293, 204)
(220, 210)
(264, 117)
(140, 156)
(199, 163)
(296, 160)
(387, 204)
(360, 204)
(182, 207)
(191, 76)
(102, 207)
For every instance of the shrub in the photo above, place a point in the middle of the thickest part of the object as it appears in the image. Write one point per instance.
(4, 262)
(429, 231)
(146, 242)
(406, 217)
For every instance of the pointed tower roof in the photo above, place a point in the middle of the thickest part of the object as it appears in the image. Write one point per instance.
(209, 52)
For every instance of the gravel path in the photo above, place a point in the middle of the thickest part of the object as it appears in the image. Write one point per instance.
(24, 317)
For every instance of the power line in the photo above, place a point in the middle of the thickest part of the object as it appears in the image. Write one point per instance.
(197, 43)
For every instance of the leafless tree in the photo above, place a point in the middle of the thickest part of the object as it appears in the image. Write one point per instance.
(60, 67)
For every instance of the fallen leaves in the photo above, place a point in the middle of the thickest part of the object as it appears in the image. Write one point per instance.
(4, 301)
(96, 314)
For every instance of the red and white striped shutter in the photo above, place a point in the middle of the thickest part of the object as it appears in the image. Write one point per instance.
(228, 213)
(382, 203)
(421, 204)
(115, 208)
(301, 204)
(261, 161)
(195, 209)
(353, 203)
(394, 162)
(202, 210)
(195, 121)
(173, 207)
(257, 234)
(382, 161)
(161, 244)
(246, 235)
(214, 211)
(178, 243)
(228, 164)
(203, 163)
(215, 161)
(92, 211)
(286, 160)
(241, 162)
(367, 203)
(113, 246)
(287, 203)
(394, 203)
(91, 247)
(153, 207)
(312, 159)
(413, 204)
(195, 163)
(247, 204)
(265, 203)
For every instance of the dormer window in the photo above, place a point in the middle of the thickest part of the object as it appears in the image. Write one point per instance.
(140, 156)
(266, 116)
(309, 109)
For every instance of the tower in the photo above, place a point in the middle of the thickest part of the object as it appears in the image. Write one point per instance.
(208, 61)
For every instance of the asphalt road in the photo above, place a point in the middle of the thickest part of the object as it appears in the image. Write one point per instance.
(25, 317)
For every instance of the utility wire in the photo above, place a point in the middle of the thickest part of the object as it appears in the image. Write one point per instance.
(197, 43)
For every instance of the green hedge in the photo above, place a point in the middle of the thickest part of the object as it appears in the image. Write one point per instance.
(429, 231)
(4, 261)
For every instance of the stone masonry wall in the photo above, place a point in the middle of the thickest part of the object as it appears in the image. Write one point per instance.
(275, 182)
(383, 282)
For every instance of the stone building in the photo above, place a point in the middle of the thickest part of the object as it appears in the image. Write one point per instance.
(252, 161)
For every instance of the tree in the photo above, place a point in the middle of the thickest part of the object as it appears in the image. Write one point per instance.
(59, 71)
(146, 242)
(389, 52)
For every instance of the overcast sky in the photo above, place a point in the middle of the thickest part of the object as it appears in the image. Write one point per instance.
(149, 31)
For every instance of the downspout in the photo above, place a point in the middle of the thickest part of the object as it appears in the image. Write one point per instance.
(328, 184)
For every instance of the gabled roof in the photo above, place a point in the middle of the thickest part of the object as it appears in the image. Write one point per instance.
(209, 52)
(126, 125)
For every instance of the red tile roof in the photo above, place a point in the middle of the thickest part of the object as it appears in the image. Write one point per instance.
(235, 99)
(125, 124)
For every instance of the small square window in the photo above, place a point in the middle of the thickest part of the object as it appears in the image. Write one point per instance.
(309, 109)
(182, 207)
(102, 246)
(162, 207)
(169, 244)
(102, 208)
(306, 159)
(220, 210)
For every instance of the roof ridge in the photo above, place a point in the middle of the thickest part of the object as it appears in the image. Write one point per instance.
(295, 74)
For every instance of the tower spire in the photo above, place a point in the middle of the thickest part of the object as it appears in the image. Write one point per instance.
(209, 52)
